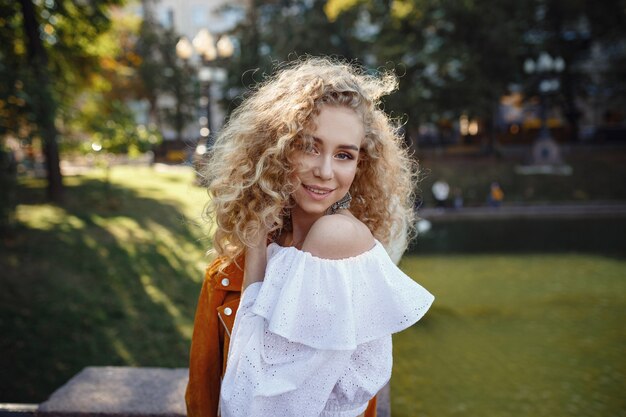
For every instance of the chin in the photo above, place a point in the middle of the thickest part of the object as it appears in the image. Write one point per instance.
(314, 210)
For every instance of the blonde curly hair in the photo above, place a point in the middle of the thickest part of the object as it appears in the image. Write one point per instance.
(249, 170)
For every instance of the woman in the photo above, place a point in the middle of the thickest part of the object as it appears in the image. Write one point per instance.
(309, 183)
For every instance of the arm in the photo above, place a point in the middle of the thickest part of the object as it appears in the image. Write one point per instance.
(256, 260)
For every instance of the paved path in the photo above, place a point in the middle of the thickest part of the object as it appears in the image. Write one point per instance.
(546, 211)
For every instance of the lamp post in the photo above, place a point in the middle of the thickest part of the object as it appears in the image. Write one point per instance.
(547, 70)
(208, 51)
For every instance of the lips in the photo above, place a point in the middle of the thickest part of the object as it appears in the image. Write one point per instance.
(318, 190)
(317, 193)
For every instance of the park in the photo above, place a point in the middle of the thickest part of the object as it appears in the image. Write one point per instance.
(104, 241)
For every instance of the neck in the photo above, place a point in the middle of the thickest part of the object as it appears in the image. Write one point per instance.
(301, 224)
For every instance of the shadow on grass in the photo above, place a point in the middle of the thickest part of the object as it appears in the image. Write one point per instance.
(109, 278)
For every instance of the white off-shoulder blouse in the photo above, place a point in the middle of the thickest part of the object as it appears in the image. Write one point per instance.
(314, 338)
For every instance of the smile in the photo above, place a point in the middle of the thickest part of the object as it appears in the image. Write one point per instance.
(318, 191)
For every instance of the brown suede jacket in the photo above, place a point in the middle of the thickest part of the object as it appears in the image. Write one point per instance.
(215, 316)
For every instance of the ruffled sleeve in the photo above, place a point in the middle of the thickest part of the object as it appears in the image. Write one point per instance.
(314, 338)
(338, 304)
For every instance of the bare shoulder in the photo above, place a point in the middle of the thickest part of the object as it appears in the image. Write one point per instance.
(338, 236)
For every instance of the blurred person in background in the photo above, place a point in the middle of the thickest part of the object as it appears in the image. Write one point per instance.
(496, 195)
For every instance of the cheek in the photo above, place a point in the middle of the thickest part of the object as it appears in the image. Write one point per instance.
(300, 172)
(348, 173)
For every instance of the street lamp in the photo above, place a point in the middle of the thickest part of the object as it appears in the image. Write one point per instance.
(547, 69)
(204, 45)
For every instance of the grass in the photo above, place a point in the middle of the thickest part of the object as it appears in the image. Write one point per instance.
(515, 335)
(112, 277)
(109, 278)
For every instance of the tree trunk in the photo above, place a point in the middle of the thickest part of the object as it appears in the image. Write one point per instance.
(44, 105)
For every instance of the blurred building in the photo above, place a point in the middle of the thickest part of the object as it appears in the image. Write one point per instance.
(187, 18)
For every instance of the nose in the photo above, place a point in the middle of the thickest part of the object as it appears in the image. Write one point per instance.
(324, 168)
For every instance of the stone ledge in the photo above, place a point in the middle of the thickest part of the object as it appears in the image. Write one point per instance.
(125, 392)
(119, 392)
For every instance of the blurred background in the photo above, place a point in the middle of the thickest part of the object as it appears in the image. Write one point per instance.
(515, 111)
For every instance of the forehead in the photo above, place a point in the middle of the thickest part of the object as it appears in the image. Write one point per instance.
(336, 125)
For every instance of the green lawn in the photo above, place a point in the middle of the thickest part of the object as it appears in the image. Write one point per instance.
(112, 277)
(515, 335)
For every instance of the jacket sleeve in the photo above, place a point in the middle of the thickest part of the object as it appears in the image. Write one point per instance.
(205, 363)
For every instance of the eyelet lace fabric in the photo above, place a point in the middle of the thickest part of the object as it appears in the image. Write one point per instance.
(314, 338)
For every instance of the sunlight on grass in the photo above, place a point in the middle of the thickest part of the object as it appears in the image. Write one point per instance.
(177, 185)
(184, 325)
(181, 254)
(47, 217)
(124, 229)
(120, 348)
(111, 277)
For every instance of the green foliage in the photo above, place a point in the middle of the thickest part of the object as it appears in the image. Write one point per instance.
(178, 82)
(100, 115)
(15, 104)
(161, 72)
(97, 62)
(305, 30)
(69, 33)
(453, 57)
(112, 129)
(47, 57)
(150, 68)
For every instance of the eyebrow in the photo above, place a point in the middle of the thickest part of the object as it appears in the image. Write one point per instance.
(351, 147)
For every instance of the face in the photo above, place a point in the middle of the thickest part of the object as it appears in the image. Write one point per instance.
(326, 169)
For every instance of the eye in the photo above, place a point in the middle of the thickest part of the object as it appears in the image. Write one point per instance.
(345, 156)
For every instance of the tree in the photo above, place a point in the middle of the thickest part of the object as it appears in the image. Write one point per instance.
(42, 100)
(305, 30)
(162, 73)
(46, 55)
(453, 57)
(179, 83)
(461, 57)
(573, 30)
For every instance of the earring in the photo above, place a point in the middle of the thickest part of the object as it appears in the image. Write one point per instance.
(344, 203)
